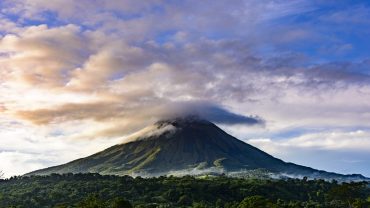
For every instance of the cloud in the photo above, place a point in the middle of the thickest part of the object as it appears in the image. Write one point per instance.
(211, 112)
(67, 112)
(112, 61)
(14, 163)
(114, 81)
(49, 52)
(132, 118)
(106, 69)
(339, 151)
(25, 147)
(358, 14)
(353, 140)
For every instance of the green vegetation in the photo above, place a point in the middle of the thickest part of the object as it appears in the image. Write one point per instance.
(95, 191)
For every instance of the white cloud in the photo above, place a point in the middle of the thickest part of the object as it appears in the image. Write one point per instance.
(337, 140)
(16, 163)
(339, 151)
(24, 147)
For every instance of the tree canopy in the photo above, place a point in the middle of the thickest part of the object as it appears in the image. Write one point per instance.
(95, 191)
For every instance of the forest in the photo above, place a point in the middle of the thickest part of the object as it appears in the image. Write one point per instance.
(98, 191)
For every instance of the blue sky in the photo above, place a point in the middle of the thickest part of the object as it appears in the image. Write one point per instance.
(290, 77)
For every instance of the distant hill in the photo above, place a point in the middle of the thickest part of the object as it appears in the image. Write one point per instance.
(188, 145)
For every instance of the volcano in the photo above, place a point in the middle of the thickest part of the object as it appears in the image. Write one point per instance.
(187, 145)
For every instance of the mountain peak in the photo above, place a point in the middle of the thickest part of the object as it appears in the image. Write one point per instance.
(185, 145)
(166, 128)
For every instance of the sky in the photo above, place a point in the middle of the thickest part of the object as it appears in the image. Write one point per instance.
(289, 77)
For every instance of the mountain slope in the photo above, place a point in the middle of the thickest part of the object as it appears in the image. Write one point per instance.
(182, 144)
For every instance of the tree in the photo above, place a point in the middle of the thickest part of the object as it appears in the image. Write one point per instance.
(347, 192)
(121, 203)
(184, 200)
(91, 202)
(360, 203)
(255, 202)
(219, 203)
